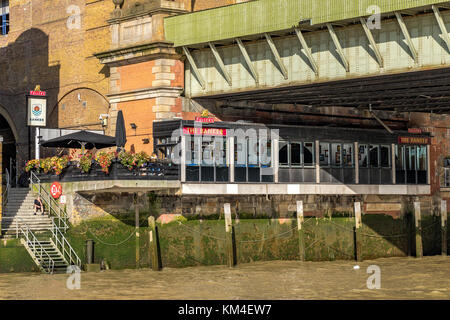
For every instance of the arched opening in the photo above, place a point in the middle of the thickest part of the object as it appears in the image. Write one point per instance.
(9, 149)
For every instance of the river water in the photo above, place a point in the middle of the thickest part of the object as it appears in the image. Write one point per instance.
(401, 278)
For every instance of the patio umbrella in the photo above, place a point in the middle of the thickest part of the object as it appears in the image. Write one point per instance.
(121, 134)
(81, 140)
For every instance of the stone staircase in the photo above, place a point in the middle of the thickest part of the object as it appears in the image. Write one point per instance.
(20, 210)
(46, 255)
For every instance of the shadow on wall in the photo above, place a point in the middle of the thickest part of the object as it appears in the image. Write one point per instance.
(25, 64)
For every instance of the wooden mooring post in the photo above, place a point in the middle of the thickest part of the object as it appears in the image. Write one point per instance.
(444, 226)
(358, 235)
(229, 236)
(154, 248)
(418, 226)
(301, 232)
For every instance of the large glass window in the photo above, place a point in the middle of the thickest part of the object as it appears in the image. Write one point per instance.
(308, 154)
(347, 155)
(283, 153)
(336, 155)
(374, 156)
(422, 158)
(324, 154)
(296, 151)
(363, 157)
(385, 160)
(296, 154)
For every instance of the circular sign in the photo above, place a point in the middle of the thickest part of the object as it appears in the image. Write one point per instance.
(56, 190)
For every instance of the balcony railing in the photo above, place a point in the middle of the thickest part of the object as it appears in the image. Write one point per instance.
(160, 170)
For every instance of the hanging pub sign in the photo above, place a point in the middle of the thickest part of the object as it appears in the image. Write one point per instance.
(414, 140)
(37, 108)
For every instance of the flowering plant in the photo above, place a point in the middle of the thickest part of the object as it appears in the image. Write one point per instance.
(86, 162)
(104, 159)
(59, 163)
(127, 159)
(32, 164)
(46, 165)
(141, 158)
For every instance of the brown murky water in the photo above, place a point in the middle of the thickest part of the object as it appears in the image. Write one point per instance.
(401, 278)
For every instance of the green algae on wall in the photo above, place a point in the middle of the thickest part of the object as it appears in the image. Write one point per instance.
(15, 258)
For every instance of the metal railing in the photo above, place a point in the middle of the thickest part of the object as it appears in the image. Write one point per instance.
(6, 192)
(39, 252)
(64, 246)
(53, 205)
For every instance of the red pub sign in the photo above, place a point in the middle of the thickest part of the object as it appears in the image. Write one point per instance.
(38, 93)
(414, 140)
(204, 120)
(204, 131)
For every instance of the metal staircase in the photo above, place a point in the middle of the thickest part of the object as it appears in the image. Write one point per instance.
(50, 251)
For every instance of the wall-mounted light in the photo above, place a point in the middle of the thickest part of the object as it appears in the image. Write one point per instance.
(146, 141)
(133, 126)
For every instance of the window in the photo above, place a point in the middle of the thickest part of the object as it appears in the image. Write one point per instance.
(384, 157)
(374, 156)
(347, 155)
(336, 155)
(4, 17)
(324, 154)
(362, 156)
(296, 154)
(308, 154)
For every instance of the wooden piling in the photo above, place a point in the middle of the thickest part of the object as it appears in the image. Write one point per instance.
(418, 225)
(154, 249)
(301, 232)
(136, 226)
(229, 236)
(444, 226)
(358, 234)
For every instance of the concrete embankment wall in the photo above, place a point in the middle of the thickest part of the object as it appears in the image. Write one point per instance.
(265, 229)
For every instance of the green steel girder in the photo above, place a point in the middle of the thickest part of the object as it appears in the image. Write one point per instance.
(266, 16)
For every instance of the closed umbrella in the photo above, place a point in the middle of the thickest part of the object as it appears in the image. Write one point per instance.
(121, 134)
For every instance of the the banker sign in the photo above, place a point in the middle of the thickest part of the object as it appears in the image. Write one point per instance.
(37, 111)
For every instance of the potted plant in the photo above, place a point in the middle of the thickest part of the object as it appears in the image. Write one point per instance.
(86, 162)
(104, 159)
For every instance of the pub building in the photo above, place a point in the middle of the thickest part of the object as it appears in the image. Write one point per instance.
(241, 152)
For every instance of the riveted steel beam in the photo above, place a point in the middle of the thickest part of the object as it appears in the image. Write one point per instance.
(338, 46)
(441, 23)
(220, 63)
(405, 32)
(248, 60)
(372, 41)
(194, 67)
(302, 40)
(275, 53)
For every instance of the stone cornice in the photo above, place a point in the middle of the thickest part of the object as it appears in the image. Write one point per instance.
(137, 53)
(146, 13)
(146, 93)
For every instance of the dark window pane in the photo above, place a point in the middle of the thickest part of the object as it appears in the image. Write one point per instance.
(373, 156)
(363, 157)
(384, 156)
(308, 154)
(295, 154)
(336, 155)
(283, 153)
(324, 153)
(347, 155)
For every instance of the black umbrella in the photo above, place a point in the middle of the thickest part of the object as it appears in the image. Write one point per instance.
(121, 134)
(81, 140)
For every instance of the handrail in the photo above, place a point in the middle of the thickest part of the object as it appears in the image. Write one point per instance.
(6, 192)
(66, 248)
(50, 266)
(50, 201)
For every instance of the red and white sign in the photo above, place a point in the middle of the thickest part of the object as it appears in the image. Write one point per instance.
(56, 190)
(204, 120)
(415, 130)
(38, 93)
(204, 131)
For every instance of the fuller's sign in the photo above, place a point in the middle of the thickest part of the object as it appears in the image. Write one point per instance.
(37, 111)
(204, 120)
(414, 140)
